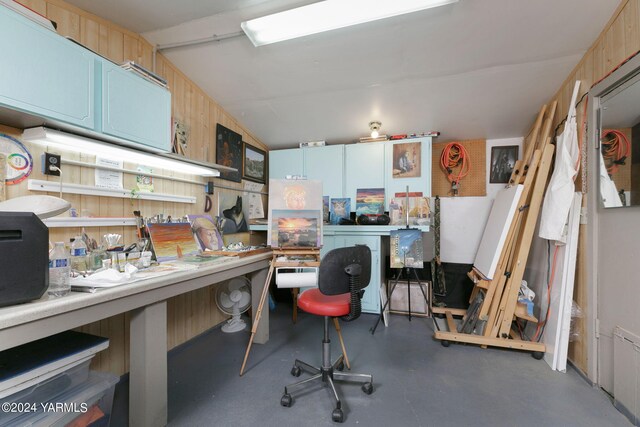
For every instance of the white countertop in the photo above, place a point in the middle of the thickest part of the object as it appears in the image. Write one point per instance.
(45, 307)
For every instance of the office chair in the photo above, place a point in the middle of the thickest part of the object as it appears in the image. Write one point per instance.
(343, 275)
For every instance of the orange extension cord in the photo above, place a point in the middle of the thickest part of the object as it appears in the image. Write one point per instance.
(454, 155)
(615, 149)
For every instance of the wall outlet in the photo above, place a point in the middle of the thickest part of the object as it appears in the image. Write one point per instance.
(51, 160)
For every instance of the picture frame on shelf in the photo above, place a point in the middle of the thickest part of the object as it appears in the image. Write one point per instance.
(254, 163)
(503, 159)
(229, 152)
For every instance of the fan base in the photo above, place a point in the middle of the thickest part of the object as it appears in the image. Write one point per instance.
(234, 325)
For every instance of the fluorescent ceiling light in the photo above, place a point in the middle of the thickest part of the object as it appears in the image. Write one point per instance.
(65, 141)
(328, 15)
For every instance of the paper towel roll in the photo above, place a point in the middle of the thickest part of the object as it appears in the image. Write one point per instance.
(296, 280)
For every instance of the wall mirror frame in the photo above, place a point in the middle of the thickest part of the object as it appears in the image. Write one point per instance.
(614, 129)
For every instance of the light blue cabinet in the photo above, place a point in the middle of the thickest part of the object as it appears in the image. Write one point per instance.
(364, 168)
(45, 74)
(285, 162)
(326, 164)
(135, 109)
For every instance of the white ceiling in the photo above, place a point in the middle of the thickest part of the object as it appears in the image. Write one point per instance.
(475, 69)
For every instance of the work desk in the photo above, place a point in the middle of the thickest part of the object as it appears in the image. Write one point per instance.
(146, 300)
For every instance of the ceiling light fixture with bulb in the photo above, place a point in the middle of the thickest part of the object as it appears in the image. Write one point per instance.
(375, 128)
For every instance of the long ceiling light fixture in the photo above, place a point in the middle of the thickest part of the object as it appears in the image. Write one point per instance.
(328, 15)
(70, 142)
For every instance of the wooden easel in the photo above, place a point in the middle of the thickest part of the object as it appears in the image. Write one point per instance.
(285, 257)
(494, 303)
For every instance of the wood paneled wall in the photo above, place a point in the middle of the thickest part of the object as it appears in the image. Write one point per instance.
(619, 40)
(190, 314)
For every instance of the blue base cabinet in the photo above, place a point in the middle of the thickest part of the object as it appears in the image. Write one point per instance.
(45, 74)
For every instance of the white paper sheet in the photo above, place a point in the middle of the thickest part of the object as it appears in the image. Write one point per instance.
(254, 200)
(107, 178)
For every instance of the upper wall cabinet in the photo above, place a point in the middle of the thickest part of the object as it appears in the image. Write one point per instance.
(135, 109)
(364, 168)
(321, 163)
(45, 74)
(326, 164)
(285, 162)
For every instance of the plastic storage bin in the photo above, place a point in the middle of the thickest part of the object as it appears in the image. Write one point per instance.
(88, 404)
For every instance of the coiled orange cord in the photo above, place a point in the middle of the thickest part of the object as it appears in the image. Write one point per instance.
(615, 149)
(455, 155)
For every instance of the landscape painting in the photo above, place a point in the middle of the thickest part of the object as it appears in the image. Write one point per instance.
(370, 201)
(295, 228)
(172, 241)
(254, 164)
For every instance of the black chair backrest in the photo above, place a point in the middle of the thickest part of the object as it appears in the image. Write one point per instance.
(332, 277)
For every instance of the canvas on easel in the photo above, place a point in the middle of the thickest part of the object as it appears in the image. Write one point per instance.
(406, 248)
(295, 213)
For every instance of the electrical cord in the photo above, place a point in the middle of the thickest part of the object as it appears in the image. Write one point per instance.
(615, 149)
(55, 168)
(455, 155)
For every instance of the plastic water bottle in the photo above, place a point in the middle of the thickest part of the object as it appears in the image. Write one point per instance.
(59, 271)
(78, 254)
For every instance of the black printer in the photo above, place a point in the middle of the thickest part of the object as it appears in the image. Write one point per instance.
(24, 257)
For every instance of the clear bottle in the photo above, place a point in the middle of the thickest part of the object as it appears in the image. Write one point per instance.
(78, 254)
(59, 271)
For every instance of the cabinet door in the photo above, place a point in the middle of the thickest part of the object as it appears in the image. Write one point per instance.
(326, 164)
(45, 74)
(285, 162)
(371, 298)
(135, 109)
(364, 168)
(398, 184)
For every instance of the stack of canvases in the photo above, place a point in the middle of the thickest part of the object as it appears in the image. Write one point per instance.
(494, 315)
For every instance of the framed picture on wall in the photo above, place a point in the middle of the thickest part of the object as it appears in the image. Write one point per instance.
(229, 152)
(503, 159)
(254, 164)
(406, 160)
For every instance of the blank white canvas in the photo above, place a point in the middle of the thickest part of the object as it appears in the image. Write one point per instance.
(556, 343)
(496, 230)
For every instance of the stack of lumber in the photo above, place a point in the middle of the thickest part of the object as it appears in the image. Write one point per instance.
(494, 306)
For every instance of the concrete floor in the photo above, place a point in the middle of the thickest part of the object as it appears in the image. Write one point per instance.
(417, 381)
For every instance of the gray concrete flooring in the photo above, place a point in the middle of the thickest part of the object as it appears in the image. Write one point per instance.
(417, 381)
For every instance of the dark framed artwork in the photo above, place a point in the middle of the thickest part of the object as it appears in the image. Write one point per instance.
(254, 164)
(503, 159)
(229, 152)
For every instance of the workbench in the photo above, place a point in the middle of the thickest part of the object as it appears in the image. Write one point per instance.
(147, 302)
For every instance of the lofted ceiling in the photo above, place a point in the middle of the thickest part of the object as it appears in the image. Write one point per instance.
(474, 69)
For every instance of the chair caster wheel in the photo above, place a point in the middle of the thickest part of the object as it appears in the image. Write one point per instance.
(286, 400)
(337, 416)
(295, 371)
(340, 367)
(367, 388)
(537, 355)
(445, 343)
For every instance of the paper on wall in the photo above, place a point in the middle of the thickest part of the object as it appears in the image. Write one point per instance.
(254, 200)
(108, 178)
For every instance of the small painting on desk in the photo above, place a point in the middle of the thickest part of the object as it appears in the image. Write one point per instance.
(340, 208)
(172, 241)
(206, 233)
(407, 160)
(369, 201)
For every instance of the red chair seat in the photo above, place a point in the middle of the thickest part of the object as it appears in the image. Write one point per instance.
(315, 302)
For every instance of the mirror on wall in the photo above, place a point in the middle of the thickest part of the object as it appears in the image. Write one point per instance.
(619, 145)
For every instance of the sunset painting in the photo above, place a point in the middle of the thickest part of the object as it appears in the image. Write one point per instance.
(172, 241)
(369, 201)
